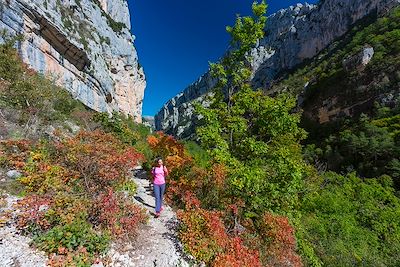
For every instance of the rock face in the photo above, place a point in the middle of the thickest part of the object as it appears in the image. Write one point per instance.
(360, 60)
(293, 35)
(148, 121)
(85, 45)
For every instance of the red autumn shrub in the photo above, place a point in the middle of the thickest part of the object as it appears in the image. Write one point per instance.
(115, 212)
(77, 198)
(13, 153)
(98, 158)
(204, 236)
(65, 257)
(32, 213)
(180, 184)
(237, 255)
(281, 242)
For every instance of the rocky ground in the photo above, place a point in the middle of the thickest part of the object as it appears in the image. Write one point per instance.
(155, 246)
(157, 243)
(14, 248)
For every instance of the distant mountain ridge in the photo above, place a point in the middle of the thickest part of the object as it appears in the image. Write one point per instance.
(293, 35)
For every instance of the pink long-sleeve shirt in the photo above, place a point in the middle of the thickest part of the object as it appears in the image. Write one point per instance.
(159, 174)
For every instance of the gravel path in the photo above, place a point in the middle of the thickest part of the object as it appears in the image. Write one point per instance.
(156, 243)
(14, 248)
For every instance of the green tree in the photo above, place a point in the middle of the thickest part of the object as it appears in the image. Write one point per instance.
(353, 222)
(255, 136)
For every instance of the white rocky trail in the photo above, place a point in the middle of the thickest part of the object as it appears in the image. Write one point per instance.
(156, 243)
(14, 248)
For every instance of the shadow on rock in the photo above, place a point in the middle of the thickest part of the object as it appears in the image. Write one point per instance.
(173, 227)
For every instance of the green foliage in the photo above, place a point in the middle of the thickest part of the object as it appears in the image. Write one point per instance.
(253, 143)
(326, 73)
(233, 72)
(260, 146)
(119, 125)
(369, 147)
(126, 130)
(10, 63)
(105, 39)
(130, 187)
(73, 236)
(200, 156)
(353, 222)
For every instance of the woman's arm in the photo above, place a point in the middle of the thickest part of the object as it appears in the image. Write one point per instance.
(166, 171)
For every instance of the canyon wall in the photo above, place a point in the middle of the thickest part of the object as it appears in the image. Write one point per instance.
(85, 45)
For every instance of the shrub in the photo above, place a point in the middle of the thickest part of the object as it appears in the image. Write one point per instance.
(32, 217)
(205, 237)
(237, 255)
(35, 98)
(11, 66)
(78, 234)
(280, 243)
(98, 158)
(368, 146)
(14, 153)
(77, 201)
(172, 151)
(351, 221)
(117, 214)
(200, 156)
(117, 124)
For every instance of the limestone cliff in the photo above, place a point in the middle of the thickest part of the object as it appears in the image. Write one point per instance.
(86, 45)
(293, 35)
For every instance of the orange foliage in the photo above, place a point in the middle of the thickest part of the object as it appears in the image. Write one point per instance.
(75, 181)
(281, 250)
(65, 257)
(99, 159)
(181, 183)
(172, 151)
(15, 152)
(33, 212)
(219, 173)
(237, 255)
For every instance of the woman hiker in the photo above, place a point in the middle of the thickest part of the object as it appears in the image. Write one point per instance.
(159, 173)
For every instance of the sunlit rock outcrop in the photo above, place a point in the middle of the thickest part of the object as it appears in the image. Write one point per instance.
(85, 45)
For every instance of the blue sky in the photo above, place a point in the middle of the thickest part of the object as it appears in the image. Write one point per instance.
(176, 39)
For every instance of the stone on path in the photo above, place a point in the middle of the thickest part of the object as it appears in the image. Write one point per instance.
(13, 174)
